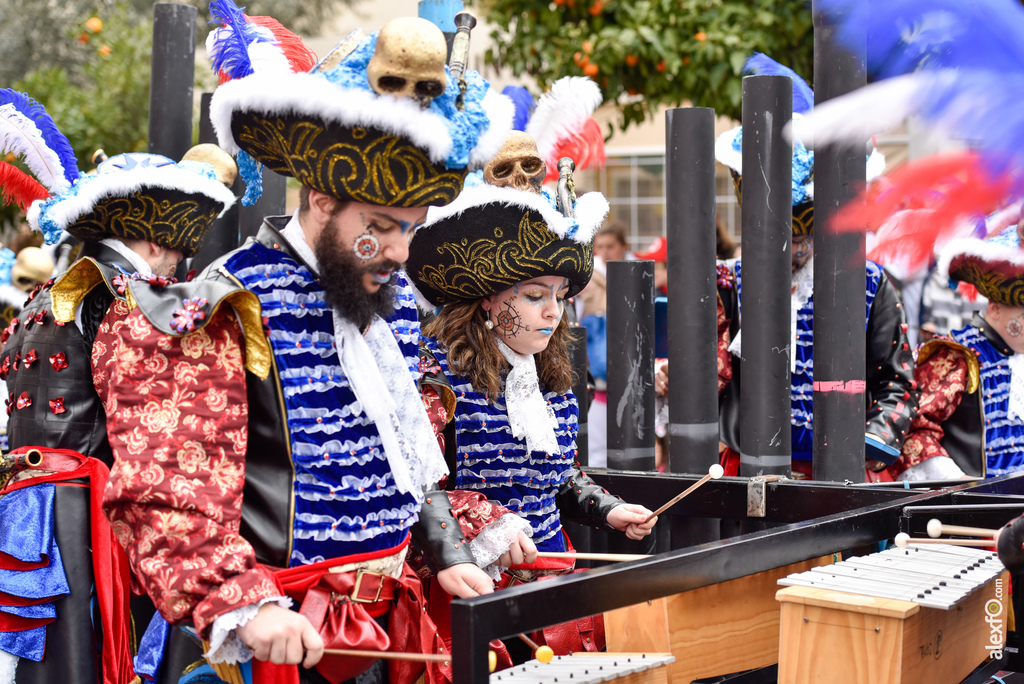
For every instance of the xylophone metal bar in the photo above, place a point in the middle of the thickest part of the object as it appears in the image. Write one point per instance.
(583, 669)
(936, 577)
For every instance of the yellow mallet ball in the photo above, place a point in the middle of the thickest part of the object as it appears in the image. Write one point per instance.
(492, 661)
(544, 654)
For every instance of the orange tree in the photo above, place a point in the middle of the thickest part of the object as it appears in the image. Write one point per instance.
(645, 53)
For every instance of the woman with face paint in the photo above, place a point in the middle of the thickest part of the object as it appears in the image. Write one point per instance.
(501, 263)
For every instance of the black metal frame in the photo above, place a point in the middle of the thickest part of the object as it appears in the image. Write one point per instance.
(807, 520)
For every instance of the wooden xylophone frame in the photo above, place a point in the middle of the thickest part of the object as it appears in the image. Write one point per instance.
(803, 520)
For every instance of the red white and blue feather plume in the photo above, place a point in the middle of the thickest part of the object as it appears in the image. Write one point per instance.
(958, 65)
(562, 124)
(28, 132)
(245, 44)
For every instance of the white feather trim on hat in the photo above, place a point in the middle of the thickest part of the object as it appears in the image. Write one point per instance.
(590, 209)
(310, 95)
(986, 250)
(90, 189)
(724, 152)
(500, 111)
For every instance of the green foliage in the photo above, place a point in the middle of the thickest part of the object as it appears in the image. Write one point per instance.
(103, 102)
(646, 53)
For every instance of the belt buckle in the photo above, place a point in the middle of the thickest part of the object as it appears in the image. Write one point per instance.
(360, 574)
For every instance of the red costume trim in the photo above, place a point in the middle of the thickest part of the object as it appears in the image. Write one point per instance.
(109, 564)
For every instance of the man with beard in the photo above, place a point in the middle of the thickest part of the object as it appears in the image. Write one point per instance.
(271, 450)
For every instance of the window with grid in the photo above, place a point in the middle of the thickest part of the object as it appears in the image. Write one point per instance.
(633, 180)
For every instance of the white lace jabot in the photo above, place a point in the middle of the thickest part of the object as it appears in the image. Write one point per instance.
(529, 416)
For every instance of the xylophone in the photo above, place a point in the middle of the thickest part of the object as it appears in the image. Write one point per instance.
(923, 614)
(625, 668)
(937, 576)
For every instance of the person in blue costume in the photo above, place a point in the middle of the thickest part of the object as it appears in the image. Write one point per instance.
(971, 421)
(271, 450)
(500, 262)
(890, 390)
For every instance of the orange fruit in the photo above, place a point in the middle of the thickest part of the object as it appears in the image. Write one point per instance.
(632, 60)
(596, 8)
(578, 58)
(95, 24)
(591, 70)
(686, 59)
(701, 35)
(587, 46)
(105, 50)
(660, 66)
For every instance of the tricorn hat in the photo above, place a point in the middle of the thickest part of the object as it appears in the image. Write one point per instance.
(994, 266)
(379, 120)
(139, 196)
(491, 238)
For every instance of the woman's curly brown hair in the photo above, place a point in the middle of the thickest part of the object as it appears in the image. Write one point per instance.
(473, 350)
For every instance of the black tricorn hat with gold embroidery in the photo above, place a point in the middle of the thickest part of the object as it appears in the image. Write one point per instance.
(140, 196)
(491, 238)
(994, 265)
(380, 120)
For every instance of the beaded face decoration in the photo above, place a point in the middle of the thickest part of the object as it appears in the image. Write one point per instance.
(366, 246)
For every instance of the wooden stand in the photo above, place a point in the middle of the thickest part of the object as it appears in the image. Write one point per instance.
(840, 638)
(714, 630)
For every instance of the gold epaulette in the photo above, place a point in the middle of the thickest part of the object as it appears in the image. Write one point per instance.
(929, 348)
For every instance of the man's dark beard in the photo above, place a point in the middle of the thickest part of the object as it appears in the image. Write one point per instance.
(341, 275)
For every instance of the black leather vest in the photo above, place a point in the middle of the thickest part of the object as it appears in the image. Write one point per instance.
(82, 425)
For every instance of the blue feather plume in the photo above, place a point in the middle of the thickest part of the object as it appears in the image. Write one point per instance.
(763, 65)
(229, 51)
(54, 140)
(524, 104)
(905, 35)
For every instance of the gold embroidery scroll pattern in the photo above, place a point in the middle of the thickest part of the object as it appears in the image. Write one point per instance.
(803, 219)
(994, 285)
(484, 266)
(181, 223)
(362, 164)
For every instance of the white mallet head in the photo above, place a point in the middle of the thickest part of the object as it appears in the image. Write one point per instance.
(934, 528)
(903, 540)
(716, 471)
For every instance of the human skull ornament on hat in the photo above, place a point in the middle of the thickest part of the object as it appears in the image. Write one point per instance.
(346, 128)
(139, 196)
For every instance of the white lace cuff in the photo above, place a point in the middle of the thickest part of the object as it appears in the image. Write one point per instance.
(934, 468)
(494, 540)
(225, 646)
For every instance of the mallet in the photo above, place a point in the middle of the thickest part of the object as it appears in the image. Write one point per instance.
(592, 556)
(542, 653)
(714, 472)
(937, 529)
(903, 540)
(389, 655)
